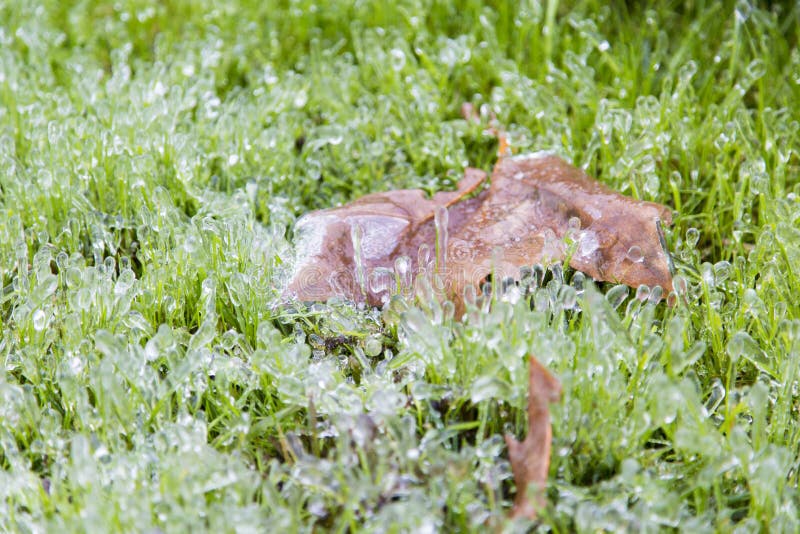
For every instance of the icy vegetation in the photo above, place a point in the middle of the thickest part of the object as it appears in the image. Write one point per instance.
(154, 156)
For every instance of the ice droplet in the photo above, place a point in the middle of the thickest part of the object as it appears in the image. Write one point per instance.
(635, 254)
(39, 320)
(398, 59)
(124, 282)
(692, 237)
(300, 99)
(441, 218)
(356, 234)
(401, 265)
(380, 280)
(578, 282)
(655, 294)
(642, 292)
(722, 271)
(373, 346)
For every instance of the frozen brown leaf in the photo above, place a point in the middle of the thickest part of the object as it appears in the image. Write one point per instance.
(531, 206)
(352, 251)
(537, 209)
(530, 458)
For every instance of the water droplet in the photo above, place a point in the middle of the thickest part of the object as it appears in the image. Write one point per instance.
(722, 271)
(398, 59)
(525, 277)
(228, 340)
(381, 280)
(715, 396)
(21, 251)
(402, 269)
(754, 171)
(486, 288)
(672, 299)
(642, 292)
(441, 218)
(707, 273)
(470, 295)
(84, 298)
(125, 281)
(655, 294)
(73, 277)
(110, 264)
(401, 265)
(568, 297)
(692, 237)
(316, 507)
(587, 244)
(756, 69)
(680, 284)
(299, 334)
(454, 51)
(158, 344)
(635, 254)
(557, 271)
(578, 282)
(300, 99)
(62, 260)
(373, 346)
(39, 320)
(356, 235)
(423, 257)
(687, 72)
(538, 272)
(47, 285)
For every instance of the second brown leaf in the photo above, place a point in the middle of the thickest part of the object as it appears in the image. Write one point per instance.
(530, 458)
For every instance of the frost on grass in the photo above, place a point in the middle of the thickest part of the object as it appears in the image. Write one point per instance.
(151, 157)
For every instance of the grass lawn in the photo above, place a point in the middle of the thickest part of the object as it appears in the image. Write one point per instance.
(154, 156)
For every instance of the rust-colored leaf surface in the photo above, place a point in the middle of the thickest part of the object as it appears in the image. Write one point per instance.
(530, 458)
(353, 251)
(537, 209)
(534, 201)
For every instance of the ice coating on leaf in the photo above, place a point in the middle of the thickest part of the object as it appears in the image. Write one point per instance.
(522, 219)
(378, 233)
(527, 213)
(392, 225)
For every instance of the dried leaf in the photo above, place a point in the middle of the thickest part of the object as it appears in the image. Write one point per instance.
(533, 206)
(533, 202)
(530, 458)
(346, 251)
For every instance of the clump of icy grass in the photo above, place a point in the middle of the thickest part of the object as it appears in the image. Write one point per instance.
(152, 158)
